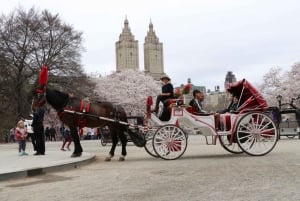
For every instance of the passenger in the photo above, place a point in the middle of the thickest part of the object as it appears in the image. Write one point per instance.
(167, 93)
(233, 106)
(196, 103)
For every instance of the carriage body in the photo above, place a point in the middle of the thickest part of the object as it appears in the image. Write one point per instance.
(248, 130)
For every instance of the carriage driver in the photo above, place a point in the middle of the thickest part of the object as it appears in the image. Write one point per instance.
(196, 103)
(167, 92)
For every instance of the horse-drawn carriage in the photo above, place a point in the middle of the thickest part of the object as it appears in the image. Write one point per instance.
(289, 127)
(250, 129)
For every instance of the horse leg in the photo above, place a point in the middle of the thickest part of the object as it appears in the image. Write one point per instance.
(77, 146)
(114, 139)
(123, 139)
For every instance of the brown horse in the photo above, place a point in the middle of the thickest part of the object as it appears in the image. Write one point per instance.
(71, 111)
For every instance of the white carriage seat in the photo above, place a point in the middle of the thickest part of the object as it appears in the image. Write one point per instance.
(203, 125)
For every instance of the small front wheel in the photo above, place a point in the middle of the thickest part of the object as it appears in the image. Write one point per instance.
(169, 142)
(148, 146)
(232, 147)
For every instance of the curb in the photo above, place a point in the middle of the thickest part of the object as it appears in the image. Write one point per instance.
(47, 169)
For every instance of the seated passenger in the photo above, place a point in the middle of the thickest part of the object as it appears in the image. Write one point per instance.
(196, 103)
(167, 93)
(233, 106)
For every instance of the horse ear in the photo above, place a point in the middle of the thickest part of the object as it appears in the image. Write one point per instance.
(43, 75)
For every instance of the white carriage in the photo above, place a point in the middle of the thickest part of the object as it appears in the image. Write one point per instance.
(250, 130)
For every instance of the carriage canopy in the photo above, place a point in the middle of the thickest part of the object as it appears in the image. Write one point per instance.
(249, 98)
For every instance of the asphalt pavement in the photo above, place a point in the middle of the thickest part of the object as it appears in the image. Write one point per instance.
(202, 173)
(13, 166)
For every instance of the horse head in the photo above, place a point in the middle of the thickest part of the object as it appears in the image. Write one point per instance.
(39, 95)
(39, 99)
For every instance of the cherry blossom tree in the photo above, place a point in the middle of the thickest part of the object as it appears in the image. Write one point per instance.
(129, 88)
(286, 84)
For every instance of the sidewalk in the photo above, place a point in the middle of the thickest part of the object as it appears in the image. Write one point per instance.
(13, 166)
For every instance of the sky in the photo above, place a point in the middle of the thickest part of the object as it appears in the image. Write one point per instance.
(202, 39)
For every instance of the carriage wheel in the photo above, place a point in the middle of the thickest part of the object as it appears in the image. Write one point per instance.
(169, 142)
(148, 146)
(256, 134)
(230, 147)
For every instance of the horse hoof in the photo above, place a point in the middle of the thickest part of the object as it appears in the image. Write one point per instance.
(121, 159)
(107, 159)
(76, 155)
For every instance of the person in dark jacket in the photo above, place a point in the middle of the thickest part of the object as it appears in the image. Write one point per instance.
(196, 103)
(167, 93)
(38, 129)
(232, 107)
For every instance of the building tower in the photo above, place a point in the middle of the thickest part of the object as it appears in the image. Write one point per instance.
(153, 54)
(230, 78)
(127, 50)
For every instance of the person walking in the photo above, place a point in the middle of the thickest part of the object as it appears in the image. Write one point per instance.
(20, 135)
(47, 133)
(67, 138)
(38, 129)
(52, 133)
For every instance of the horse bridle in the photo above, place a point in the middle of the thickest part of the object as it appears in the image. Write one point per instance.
(39, 99)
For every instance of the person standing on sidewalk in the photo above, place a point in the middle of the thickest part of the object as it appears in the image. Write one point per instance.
(38, 129)
(52, 133)
(20, 135)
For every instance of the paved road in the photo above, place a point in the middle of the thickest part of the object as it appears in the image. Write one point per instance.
(202, 173)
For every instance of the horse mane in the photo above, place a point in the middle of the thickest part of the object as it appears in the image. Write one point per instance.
(57, 98)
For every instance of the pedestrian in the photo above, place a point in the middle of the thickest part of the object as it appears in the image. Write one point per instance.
(31, 136)
(11, 135)
(38, 129)
(20, 135)
(92, 133)
(67, 138)
(52, 133)
(47, 133)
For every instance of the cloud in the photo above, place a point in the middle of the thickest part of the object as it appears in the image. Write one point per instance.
(203, 39)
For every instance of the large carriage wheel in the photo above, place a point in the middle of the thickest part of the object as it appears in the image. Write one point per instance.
(169, 142)
(230, 147)
(256, 134)
(148, 146)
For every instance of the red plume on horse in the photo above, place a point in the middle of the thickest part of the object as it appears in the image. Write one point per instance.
(77, 113)
(43, 79)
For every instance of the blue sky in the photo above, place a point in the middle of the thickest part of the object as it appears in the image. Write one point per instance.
(203, 39)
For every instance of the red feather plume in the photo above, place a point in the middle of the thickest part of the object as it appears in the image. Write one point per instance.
(43, 75)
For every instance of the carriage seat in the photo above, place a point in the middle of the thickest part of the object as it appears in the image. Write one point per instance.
(193, 111)
(174, 102)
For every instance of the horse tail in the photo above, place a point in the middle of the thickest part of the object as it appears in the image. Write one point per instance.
(137, 138)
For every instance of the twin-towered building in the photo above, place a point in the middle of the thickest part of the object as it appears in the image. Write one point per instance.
(127, 52)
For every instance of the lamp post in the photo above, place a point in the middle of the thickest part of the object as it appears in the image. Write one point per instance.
(279, 98)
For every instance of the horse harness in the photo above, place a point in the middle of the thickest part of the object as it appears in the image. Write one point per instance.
(84, 110)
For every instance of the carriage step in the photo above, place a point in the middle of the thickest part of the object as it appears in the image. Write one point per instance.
(224, 133)
(211, 140)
